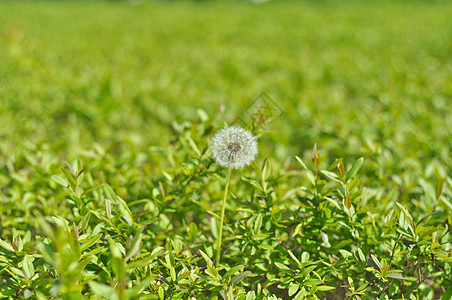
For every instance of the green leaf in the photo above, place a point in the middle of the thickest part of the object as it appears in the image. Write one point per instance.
(60, 180)
(88, 242)
(108, 209)
(282, 266)
(444, 257)
(429, 190)
(347, 199)
(300, 161)
(406, 213)
(397, 276)
(293, 288)
(147, 260)
(212, 272)
(377, 262)
(342, 244)
(117, 262)
(173, 273)
(362, 287)
(301, 294)
(350, 283)
(308, 270)
(251, 295)
(331, 176)
(134, 245)
(206, 258)
(27, 266)
(334, 164)
(257, 223)
(125, 210)
(132, 293)
(355, 168)
(335, 203)
(103, 290)
(312, 281)
(311, 177)
(238, 278)
(232, 270)
(192, 232)
(294, 258)
(118, 266)
(6, 246)
(83, 224)
(447, 295)
(157, 251)
(324, 288)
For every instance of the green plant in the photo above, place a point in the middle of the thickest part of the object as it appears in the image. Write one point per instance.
(108, 188)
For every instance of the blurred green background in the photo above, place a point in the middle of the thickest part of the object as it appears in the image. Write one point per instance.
(359, 78)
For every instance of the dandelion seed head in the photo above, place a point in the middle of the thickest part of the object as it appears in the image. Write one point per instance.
(234, 147)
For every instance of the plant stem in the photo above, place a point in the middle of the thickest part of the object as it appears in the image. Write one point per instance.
(220, 231)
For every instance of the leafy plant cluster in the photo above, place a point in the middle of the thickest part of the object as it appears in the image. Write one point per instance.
(299, 232)
(108, 187)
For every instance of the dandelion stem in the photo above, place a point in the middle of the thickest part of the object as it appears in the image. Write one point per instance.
(220, 231)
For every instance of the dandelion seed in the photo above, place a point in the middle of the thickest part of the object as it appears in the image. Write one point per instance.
(234, 147)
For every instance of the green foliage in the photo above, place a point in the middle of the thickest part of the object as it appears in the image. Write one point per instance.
(351, 199)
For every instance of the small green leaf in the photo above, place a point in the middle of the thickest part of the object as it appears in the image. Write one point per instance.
(331, 175)
(311, 177)
(103, 290)
(118, 266)
(355, 168)
(324, 288)
(300, 161)
(232, 270)
(308, 270)
(206, 258)
(312, 281)
(6, 246)
(173, 274)
(397, 276)
(335, 203)
(282, 266)
(347, 199)
(257, 223)
(134, 245)
(88, 242)
(60, 180)
(406, 213)
(27, 266)
(447, 295)
(212, 272)
(294, 258)
(251, 295)
(238, 278)
(147, 260)
(350, 283)
(376, 263)
(192, 232)
(293, 288)
(301, 294)
(335, 164)
(362, 287)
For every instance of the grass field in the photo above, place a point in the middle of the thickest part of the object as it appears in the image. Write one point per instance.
(132, 93)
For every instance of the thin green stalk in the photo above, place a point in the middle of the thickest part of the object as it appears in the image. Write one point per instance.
(220, 231)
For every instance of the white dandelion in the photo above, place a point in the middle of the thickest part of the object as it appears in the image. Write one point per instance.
(234, 147)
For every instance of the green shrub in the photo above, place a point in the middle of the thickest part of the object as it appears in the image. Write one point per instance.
(350, 194)
(290, 232)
